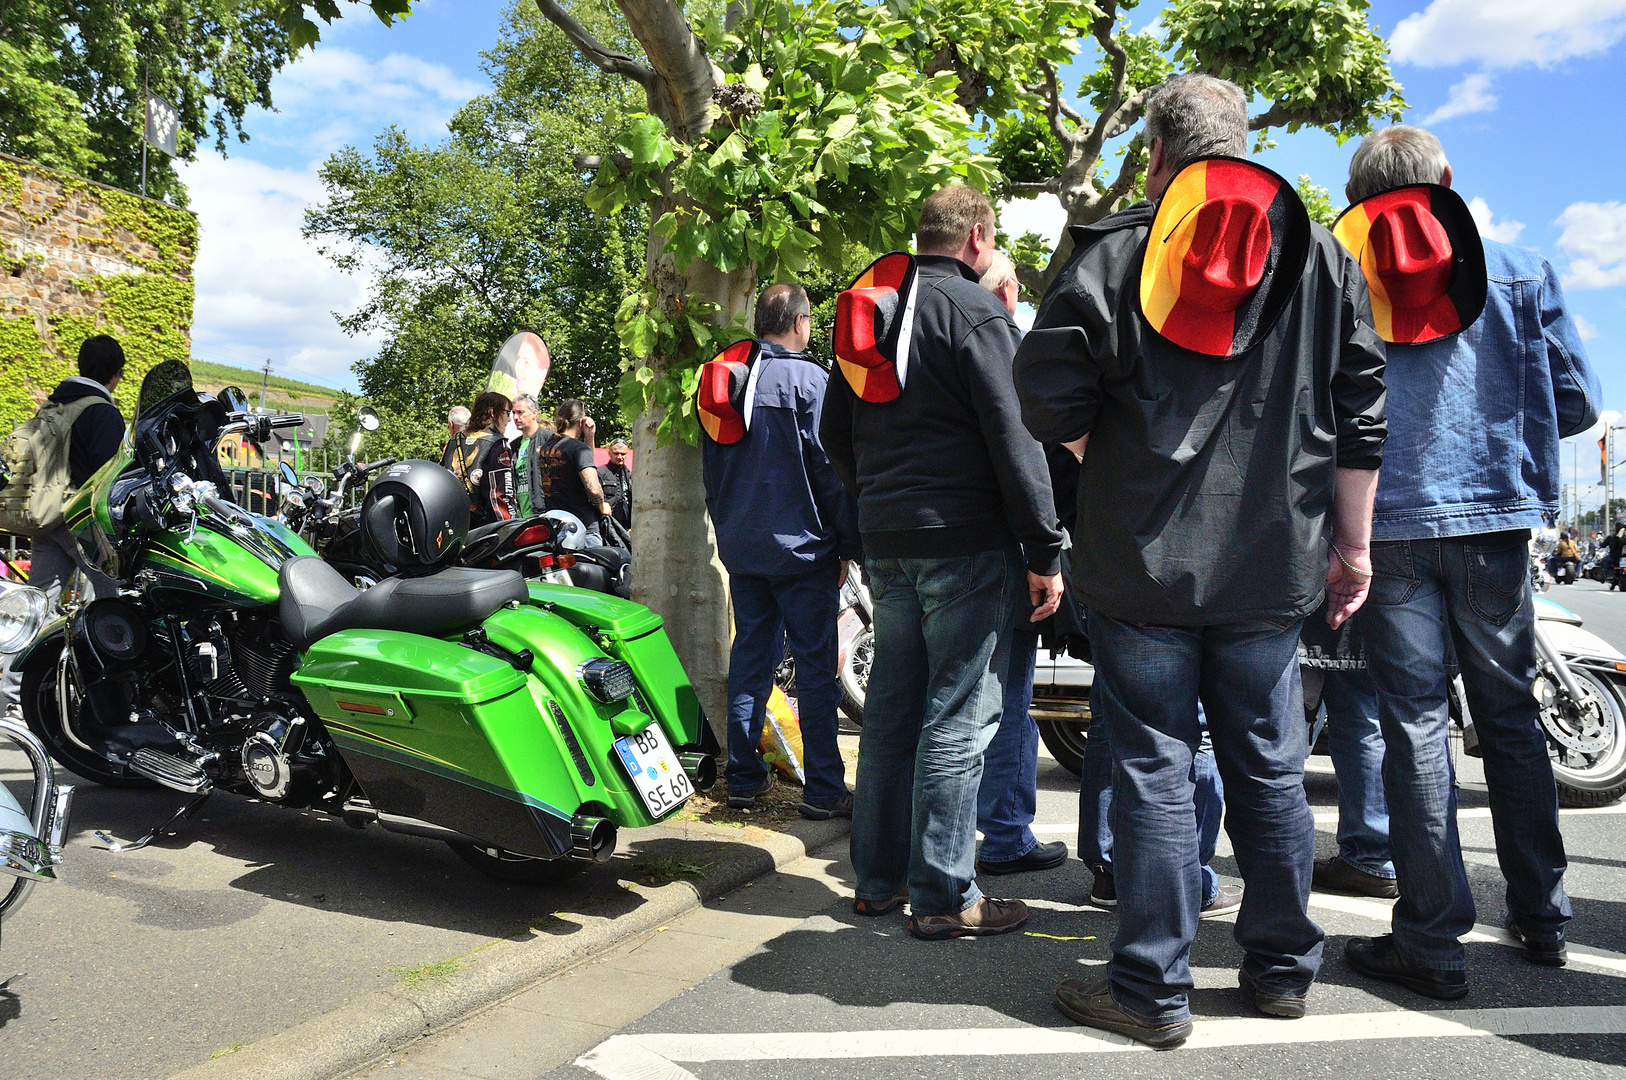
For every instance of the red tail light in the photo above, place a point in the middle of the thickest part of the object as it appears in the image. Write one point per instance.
(567, 561)
(532, 534)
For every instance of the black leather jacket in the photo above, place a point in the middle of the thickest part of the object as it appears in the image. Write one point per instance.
(1208, 482)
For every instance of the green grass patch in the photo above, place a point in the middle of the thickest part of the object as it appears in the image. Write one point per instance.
(204, 371)
(224, 1051)
(661, 869)
(416, 978)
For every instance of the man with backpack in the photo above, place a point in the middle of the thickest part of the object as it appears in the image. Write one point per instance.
(44, 472)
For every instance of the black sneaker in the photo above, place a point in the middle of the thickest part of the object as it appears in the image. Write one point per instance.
(1093, 1005)
(747, 798)
(1377, 957)
(1545, 953)
(1042, 857)
(842, 807)
(1334, 875)
(1103, 891)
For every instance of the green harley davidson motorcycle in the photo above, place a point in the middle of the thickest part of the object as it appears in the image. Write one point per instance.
(520, 723)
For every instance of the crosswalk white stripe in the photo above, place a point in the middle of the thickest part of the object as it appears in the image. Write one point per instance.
(651, 1057)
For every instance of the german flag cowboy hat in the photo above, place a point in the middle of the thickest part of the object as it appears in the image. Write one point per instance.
(1424, 263)
(1225, 254)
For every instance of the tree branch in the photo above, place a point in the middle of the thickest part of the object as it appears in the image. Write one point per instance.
(1126, 115)
(605, 59)
(1278, 115)
(685, 76)
(1055, 108)
(1035, 187)
(1102, 29)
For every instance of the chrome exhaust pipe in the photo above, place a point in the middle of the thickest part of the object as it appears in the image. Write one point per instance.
(702, 769)
(592, 839)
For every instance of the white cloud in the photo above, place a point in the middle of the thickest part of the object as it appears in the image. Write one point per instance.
(1471, 95)
(1041, 214)
(1504, 33)
(263, 292)
(1505, 231)
(332, 97)
(262, 289)
(1595, 239)
(1584, 327)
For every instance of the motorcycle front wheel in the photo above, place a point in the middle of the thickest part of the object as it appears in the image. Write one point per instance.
(1587, 745)
(518, 869)
(40, 710)
(854, 675)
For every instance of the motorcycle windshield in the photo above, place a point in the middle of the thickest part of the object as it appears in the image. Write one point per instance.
(162, 383)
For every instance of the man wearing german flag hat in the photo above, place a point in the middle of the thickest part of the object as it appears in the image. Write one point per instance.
(1216, 350)
(1486, 375)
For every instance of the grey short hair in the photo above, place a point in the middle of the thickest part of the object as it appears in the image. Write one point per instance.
(618, 444)
(1198, 116)
(459, 416)
(529, 400)
(1396, 156)
(1000, 272)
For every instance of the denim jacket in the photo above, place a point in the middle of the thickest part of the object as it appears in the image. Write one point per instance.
(1475, 419)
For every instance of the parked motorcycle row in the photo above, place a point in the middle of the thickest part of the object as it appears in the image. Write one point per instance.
(381, 664)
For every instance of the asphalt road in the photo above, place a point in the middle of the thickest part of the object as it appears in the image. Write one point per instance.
(862, 998)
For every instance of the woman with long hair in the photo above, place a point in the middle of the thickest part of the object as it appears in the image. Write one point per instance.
(481, 459)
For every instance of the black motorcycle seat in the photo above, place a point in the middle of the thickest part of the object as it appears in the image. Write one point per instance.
(615, 557)
(480, 532)
(317, 601)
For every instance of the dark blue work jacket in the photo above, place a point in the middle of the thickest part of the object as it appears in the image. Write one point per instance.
(777, 506)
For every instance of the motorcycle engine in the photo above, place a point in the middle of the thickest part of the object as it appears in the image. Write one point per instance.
(268, 753)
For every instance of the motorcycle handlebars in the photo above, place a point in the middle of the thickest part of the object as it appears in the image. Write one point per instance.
(379, 464)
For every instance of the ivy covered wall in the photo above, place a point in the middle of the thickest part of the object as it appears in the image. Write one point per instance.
(79, 259)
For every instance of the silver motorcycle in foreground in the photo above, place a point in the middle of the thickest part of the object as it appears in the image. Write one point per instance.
(30, 840)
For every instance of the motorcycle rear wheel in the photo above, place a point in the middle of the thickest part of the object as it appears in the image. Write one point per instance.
(1065, 741)
(38, 695)
(854, 675)
(1589, 777)
(518, 869)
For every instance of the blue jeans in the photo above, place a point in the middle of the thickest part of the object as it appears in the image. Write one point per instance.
(1095, 800)
(942, 647)
(1148, 682)
(1008, 797)
(1474, 591)
(768, 613)
(1355, 743)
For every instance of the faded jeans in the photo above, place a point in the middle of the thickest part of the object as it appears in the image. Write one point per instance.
(1095, 800)
(942, 644)
(1355, 743)
(1474, 590)
(1148, 682)
(51, 567)
(1009, 793)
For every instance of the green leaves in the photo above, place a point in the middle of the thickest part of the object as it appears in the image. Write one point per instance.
(645, 142)
(303, 32)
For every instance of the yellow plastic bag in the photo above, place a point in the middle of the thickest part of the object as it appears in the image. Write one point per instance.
(782, 737)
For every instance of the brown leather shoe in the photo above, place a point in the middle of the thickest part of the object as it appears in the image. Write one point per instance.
(982, 919)
(1334, 875)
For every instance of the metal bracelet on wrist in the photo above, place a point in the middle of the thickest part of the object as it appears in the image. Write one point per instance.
(1351, 567)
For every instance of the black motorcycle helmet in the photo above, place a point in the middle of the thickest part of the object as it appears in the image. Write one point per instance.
(416, 516)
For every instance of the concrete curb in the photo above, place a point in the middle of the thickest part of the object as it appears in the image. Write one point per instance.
(357, 1033)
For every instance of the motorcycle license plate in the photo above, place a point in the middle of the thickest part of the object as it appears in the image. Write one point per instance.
(655, 770)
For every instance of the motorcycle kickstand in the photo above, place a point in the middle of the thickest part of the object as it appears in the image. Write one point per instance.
(109, 844)
(5, 984)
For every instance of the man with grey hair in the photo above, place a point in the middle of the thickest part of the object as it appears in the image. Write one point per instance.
(527, 489)
(457, 419)
(1478, 403)
(1215, 350)
(616, 480)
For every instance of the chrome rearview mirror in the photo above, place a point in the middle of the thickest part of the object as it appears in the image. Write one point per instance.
(367, 417)
(290, 479)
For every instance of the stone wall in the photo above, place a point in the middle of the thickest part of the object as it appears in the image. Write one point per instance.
(78, 259)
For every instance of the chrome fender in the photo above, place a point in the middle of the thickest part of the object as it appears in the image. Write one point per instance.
(31, 843)
(1573, 642)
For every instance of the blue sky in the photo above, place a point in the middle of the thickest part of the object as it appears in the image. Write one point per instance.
(1527, 97)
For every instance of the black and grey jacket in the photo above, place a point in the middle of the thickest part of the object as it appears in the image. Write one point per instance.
(946, 469)
(1208, 482)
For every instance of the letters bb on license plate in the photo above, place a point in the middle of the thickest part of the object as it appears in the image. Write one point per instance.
(655, 770)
